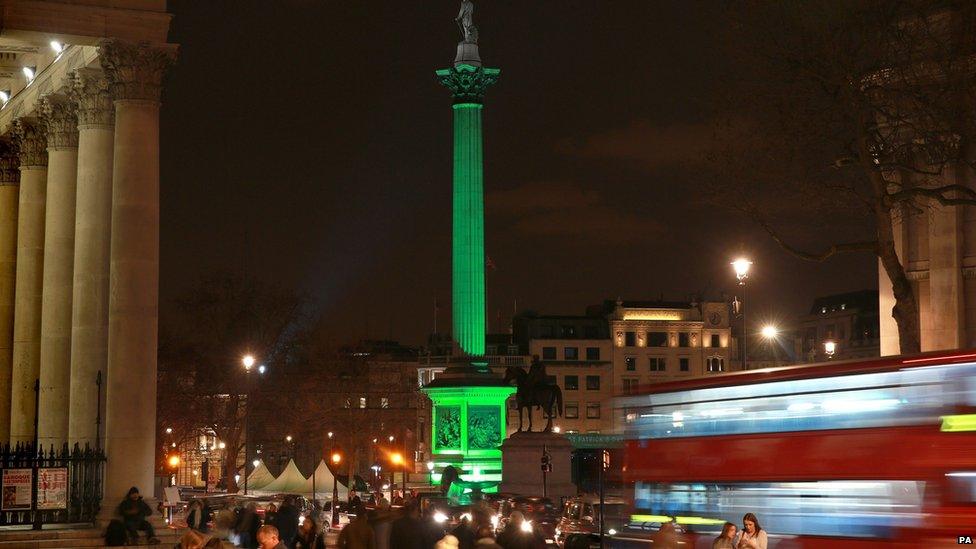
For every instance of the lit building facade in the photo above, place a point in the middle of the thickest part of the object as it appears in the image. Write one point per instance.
(850, 321)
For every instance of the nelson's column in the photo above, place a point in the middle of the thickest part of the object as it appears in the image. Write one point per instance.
(468, 412)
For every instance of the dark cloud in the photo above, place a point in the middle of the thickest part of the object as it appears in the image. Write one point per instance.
(563, 209)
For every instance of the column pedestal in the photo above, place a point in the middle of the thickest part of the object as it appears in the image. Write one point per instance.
(522, 465)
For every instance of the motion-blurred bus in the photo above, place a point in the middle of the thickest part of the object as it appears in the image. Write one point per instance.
(859, 454)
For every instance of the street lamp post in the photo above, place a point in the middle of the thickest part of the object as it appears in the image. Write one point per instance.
(248, 362)
(741, 267)
(336, 458)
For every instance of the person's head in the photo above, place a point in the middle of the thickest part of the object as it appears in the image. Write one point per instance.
(728, 531)
(750, 524)
(352, 494)
(194, 540)
(309, 526)
(516, 519)
(272, 508)
(195, 504)
(268, 537)
(252, 507)
(133, 493)
(447, 542)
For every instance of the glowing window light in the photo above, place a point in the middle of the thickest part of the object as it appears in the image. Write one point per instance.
(858, 406)
(4, 96)
(58, 47)
(29, 73)
(801, 407)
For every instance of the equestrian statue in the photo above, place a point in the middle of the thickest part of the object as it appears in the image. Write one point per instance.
(534, 389)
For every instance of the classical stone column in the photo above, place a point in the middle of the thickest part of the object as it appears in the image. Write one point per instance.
(59, 117)
(134, 73)
(9, 191)
(93, 224)
(30, 271)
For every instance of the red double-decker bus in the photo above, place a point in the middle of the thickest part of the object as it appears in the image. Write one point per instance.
(876, 453)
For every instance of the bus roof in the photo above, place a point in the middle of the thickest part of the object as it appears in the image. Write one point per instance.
(822, 369)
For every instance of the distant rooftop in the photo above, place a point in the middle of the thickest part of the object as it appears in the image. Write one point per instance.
(863, 300)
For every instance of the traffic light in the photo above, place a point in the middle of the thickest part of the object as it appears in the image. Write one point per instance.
(546, 462)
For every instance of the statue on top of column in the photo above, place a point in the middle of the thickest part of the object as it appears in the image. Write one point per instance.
(465, 22)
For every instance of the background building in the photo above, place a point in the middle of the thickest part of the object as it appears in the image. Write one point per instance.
(849, 320)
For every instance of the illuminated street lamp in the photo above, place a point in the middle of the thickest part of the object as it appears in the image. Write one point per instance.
(248, 362)
(830, 347)
(741, 266)
(769, 331)
(391, 438)
(288, 438)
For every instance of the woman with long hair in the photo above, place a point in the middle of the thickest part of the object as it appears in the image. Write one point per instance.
(725, 540)
(309, 536)
(753, 536)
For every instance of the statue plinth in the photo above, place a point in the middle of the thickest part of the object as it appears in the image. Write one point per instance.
(522, 464)
(467, 54)
(468, 420)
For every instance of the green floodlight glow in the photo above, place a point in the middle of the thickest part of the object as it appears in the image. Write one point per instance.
(468, 84)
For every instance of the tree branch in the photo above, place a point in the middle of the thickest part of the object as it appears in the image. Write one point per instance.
(834, 249)
(939, 194)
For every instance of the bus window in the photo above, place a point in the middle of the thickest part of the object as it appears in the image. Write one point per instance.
(962, 487)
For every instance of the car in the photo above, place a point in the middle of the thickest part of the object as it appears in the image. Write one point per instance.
(539, 511)
(581, 515)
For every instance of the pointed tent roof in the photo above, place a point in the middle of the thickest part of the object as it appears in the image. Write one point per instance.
(323, 483)
(259, 477)
(290, 481)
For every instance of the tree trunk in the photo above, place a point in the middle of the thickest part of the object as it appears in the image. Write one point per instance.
(905, 311)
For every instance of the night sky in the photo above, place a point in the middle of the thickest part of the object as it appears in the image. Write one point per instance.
(307, 142)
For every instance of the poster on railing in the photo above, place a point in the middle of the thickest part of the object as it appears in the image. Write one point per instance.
(17, 489)
(52, 488)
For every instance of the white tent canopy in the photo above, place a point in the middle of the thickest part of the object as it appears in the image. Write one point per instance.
(290, 481)
(323, 484)
(259, 477)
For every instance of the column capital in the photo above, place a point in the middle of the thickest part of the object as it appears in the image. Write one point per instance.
(9, 164)
(90, 89)
(31, 142)
(135, 70)
(61, 121)
(467, 82)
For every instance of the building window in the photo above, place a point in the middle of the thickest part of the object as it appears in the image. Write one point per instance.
(592, 383)
(683, 339)
(592, 353)
(549, 353)
(716, 364)
(630, 385)
(572, 410)
(592, 410)
(384, 402)
(657, 364)
(657, 339)
(631, 363)
(683, 364)
(545, 331)
(572, 383)
(348, 403)
(567, 332)
(570, 353)
(630, 339)
(716, 341)
(513, 350)
(362, 402)
(551, 380)
(491, 350)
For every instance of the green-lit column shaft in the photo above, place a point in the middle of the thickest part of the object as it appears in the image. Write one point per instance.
(468, 280)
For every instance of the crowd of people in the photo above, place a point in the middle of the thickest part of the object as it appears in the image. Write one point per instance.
(379, 527)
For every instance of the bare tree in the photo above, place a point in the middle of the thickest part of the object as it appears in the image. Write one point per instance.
(203, 384)
(848, 116)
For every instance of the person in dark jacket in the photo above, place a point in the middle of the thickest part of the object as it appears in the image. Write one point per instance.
(465, 534)
(247, 526)
(287, 522)
(407, 531)
(198, 516)
(134, 512)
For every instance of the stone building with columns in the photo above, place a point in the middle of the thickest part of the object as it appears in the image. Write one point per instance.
(79, 226)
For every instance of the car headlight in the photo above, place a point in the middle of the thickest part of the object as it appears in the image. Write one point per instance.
(526, 526)
(612, 532)
(494, 521)
(440, 517)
